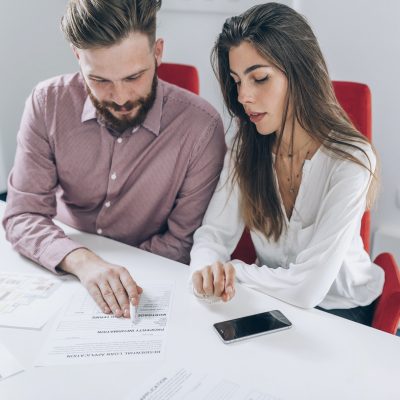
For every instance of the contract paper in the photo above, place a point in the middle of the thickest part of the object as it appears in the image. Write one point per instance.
(83, 334)
(185, 384)
(29, 301)
(9, 365)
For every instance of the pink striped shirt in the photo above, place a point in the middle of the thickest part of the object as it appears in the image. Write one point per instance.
(149, 188)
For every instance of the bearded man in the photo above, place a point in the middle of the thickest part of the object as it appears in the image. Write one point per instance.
(112, 150)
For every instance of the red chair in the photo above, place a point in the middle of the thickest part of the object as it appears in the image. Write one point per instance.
(387, 311)
(184, 76)
(355, 98)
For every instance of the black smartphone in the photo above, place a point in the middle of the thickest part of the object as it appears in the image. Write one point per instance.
(252, 325)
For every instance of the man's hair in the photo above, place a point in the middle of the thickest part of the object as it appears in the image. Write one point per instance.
(103, 23)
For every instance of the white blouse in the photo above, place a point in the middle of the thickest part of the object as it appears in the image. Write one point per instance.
(319, 258)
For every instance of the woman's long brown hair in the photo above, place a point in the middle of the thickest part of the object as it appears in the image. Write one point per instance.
(284, 38)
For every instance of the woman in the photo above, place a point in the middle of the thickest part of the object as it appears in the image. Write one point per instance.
(299, 174)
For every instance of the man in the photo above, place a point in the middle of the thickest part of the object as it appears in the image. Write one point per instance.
(111, 150)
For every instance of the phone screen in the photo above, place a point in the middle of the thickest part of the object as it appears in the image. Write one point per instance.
(252, 325)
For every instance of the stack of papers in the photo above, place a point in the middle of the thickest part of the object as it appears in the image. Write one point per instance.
(29, 301)
(9, 365)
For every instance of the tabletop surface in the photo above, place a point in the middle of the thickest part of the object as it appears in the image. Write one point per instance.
(321, 357)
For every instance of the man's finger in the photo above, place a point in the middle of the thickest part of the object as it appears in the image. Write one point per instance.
(120, 294)
(132, 289)
(95, 292)
(109, 297)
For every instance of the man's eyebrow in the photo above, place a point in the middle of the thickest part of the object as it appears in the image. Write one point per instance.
(97, 77)
(252, 68)
(126, 77)
(136, 73)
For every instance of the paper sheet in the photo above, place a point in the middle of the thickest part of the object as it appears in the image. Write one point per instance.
(184, 384)
(83, 334)
(9, 365)
(29, 301)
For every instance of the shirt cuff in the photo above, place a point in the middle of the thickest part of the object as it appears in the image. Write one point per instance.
(240, 266)
(55, 253)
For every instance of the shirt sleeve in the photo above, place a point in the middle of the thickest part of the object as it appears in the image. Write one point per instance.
(192, 200)
(222, 225)
(306, 282)
(31, 201)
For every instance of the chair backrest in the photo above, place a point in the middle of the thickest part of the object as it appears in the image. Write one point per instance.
(387, 311)
(184, 76)
(355, 98)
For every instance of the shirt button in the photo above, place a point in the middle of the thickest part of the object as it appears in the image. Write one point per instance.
(107, 204)
(114, 176)
(119, 140)
(99, 231)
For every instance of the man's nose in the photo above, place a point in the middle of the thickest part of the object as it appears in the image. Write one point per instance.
(120, 94)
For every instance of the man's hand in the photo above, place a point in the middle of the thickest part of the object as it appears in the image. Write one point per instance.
(215, 280)
(111, 286)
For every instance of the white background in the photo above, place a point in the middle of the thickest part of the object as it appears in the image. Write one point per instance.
(360, 40)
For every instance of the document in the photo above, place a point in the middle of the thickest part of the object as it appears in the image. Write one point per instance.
(184, 384)
(9, 365)
(29, 301)
(83, 334)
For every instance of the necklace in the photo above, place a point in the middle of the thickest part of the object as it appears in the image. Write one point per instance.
(290, 154)
(288, 166)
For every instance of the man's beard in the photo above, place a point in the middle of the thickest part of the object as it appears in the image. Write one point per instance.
(116, 125)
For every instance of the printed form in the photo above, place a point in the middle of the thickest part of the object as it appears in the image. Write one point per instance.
(83, 334)
(29, 301)
(184, 384)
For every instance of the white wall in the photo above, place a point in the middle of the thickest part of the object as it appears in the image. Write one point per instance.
(32, 48)
(190, 36)
(361, 42)
(359, 38)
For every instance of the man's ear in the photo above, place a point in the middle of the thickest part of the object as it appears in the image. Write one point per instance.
(158, 50)
(75, 51)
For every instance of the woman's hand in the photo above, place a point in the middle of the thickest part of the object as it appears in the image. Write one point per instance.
(215, 280)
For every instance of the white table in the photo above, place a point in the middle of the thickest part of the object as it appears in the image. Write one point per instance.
(320, 357)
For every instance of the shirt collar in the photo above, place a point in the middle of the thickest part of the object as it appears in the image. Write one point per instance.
(153, 118)
(89, 110)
